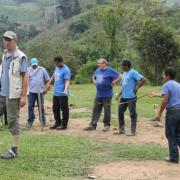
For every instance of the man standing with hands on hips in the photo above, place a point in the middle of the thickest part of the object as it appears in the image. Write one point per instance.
(104, 79)
(14, 85)
(131, 82)
(61, 78)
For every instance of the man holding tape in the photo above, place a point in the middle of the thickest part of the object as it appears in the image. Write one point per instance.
(104, 78)
(131, 82)
(171, 101)
(38, 79)
(14, 85)
(61, 78)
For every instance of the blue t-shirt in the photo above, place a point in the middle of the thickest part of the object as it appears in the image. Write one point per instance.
(5, 74)
(129, 83)
(172, 89)
(61, 75)
(37, 79)
(104, 79)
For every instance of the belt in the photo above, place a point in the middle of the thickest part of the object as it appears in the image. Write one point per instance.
(173, 109)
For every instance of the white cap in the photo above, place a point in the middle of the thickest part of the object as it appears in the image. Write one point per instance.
(10, 35)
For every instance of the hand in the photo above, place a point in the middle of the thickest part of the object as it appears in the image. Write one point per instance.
(135, 91)
(152, 94)
(117, 95)
(48, 86)
(113, 83)
(158, 118)
(45, 90)
(22, 101)
(65, 92)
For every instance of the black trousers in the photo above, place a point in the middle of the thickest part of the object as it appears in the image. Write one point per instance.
(173, 132)
(133, 114)
(60, 104)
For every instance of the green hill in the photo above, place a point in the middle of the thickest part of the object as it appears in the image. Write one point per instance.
(83, 37)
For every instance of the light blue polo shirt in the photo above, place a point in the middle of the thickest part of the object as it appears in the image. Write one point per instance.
(37, 79)
(172, 89)
(61, 75)
(5, 72)
(129, 83)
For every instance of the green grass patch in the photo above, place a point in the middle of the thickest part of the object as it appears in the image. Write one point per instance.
(47, 156)
(20, 13)
(83, 96)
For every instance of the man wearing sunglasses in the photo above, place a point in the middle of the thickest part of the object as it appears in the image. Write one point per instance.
(14, 85)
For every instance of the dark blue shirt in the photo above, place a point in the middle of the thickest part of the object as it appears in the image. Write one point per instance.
(104, 79)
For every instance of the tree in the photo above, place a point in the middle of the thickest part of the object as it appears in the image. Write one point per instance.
(107, 19)
(157, 48)
(77, 8)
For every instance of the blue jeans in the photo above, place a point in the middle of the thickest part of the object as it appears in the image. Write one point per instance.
(131, 104)
(173, 132)
(33, 97)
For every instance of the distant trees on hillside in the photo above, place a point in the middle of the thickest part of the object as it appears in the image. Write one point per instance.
(67, 8)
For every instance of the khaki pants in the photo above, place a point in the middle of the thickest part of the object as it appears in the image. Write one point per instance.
(13, 109)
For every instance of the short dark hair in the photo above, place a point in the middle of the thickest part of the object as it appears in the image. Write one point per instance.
(126, 62)
(170, 72)
(58, 59)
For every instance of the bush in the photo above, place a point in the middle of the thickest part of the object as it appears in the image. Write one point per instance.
(85, 73)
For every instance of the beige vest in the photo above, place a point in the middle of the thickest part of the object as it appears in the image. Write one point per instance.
(15, 76)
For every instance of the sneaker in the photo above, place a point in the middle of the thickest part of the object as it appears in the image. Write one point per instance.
(167, 159)
(54, 126)
(90, 128)
(130, 133)
(121, 131)
(9, 155)
(61, 127)
(44, 124)
(29, 125)
(106, 128)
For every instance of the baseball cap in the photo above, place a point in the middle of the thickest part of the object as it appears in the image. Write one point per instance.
(126, 62)
(10, 35)
(34, 62)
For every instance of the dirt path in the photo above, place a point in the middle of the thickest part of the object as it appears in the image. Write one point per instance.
(131, 170)
(147, 134)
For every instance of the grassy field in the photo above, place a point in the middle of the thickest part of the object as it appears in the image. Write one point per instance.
(83, 96)
(20, 13)
(44, 156)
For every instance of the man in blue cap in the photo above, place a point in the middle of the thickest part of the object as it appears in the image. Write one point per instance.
(38, 79)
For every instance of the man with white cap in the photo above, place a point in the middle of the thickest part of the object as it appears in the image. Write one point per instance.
(14, 85)
(38, 79)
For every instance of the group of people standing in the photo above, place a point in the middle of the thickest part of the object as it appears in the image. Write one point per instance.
(18, 80)
(40, 82)
(16, 76)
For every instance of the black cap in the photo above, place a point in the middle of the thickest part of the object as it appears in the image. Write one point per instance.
(126, 62)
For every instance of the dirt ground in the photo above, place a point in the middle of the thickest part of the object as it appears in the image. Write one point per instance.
(122, 170)
(146, 133)
(131, 170)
